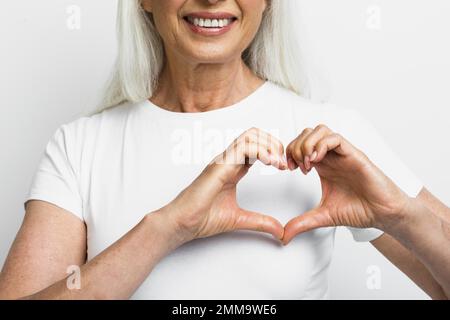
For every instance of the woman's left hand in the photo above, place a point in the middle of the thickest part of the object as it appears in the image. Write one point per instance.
(355, 192)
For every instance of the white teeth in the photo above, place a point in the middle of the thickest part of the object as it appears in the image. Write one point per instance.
(209, 23)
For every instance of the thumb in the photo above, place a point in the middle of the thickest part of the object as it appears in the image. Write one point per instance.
(313, 219)
(254, 221)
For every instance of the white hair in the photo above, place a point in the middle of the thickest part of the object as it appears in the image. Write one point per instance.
(274, 53)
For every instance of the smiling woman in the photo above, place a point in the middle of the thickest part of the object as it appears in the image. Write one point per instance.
(111, 195)
(266, 40)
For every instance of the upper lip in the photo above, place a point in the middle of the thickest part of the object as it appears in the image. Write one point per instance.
(211, 15)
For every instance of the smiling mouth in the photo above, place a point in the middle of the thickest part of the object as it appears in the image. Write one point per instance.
(210, 23)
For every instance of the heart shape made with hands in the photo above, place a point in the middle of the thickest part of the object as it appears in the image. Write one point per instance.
(348, 181)
(293, 227)
(355, 192)
(304, 152)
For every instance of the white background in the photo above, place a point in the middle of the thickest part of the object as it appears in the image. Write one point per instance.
(395, 69)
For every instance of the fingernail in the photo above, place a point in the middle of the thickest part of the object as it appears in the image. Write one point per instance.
(313, 156)
(284, 159)
(307, 162)
(302, 168)
(282, 162)
(291, 164)
(273, 159)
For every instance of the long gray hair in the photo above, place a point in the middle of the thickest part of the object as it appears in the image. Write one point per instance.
(274, 53)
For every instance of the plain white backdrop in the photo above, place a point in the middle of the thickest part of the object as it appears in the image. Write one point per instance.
(388, 58)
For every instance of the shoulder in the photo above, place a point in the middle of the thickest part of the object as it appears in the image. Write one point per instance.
(305, 108)
(82, 134)
(284, 96)
(92, 123)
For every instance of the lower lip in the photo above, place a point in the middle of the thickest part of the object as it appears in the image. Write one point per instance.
(209, 31)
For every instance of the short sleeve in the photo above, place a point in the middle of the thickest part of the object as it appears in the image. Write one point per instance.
(363, 135)
(55, 179)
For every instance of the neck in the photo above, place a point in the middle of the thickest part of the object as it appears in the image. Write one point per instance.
(185, 87)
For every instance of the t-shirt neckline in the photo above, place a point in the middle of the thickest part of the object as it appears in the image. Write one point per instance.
(244, 104)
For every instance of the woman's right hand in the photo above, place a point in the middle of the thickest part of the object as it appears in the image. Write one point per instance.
(208, 206)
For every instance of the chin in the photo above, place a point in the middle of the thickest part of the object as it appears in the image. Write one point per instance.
(216, 55)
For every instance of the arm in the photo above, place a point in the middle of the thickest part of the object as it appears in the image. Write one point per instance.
(51, 239)
(409, 264)
(356, 193)
(419, 244)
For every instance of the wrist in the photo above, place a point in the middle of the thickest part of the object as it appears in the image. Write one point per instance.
(167, 228)
(407, 216)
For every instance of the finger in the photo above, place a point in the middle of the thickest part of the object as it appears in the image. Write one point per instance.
(244, 151)
(206, 185)
(292, 165)
(252, 152)
(293, 150)
(248, 153)
(260, 151)
(249, 220)
(313, 219)
(273, 145)
(328, 143)
(275, 148)
(303, 169)
(309, 143)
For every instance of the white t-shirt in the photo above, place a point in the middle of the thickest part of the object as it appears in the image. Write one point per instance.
(112, 168)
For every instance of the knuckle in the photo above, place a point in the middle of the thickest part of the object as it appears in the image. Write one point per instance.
(280, 146)
(253, 130)
(337, 136)
(321, 127)
(321, 143)
(233, 147)
(238, 144)
(297, 154)
(289, 147)
(276, 148)
(306, 130)
(262, 223)
(308, 145)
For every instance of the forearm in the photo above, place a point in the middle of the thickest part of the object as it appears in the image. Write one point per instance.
(119, 270)
(427, 236)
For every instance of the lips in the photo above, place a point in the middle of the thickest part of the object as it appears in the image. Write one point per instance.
(209, 23)
(211, 15)
(212, 23)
